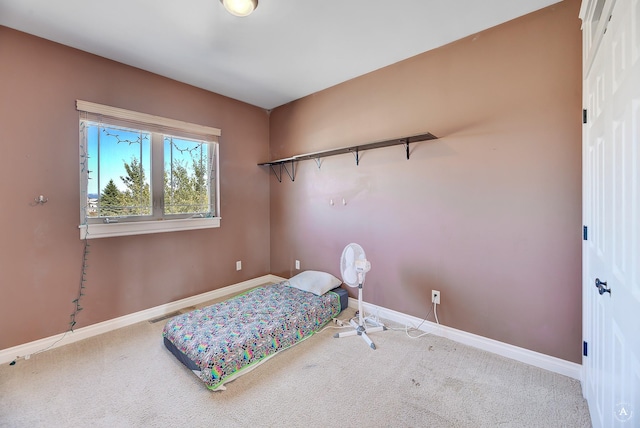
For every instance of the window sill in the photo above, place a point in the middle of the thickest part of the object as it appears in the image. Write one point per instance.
(101, 230)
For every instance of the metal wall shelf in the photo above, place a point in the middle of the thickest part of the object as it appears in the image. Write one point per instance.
(291, 161)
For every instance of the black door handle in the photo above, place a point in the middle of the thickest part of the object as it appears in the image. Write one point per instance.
(602, 287)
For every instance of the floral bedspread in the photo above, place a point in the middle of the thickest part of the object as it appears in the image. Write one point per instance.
(228, 337)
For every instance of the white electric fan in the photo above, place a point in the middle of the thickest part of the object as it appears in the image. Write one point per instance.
(353, 267)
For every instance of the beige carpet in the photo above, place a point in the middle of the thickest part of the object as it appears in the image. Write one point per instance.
(127, 378)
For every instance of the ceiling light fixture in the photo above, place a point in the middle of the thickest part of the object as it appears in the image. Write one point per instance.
(240, 7)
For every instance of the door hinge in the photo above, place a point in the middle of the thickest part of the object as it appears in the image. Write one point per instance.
(585, 233)
(584, 115)
(585, 350)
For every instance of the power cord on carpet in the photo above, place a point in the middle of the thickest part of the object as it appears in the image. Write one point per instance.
(340, 324)
(408, 328)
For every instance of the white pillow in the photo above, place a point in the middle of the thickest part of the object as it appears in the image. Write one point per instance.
(314, 282)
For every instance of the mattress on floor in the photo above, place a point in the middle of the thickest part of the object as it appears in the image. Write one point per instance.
(227, 339)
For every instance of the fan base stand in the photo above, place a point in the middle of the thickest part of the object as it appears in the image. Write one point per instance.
(359, 327)
(362, 332)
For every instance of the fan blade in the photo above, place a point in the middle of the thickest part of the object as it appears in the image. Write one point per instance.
(350, 276)
(349, 256)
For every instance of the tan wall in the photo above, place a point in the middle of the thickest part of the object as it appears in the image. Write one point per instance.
(41, 251)
(490, 214)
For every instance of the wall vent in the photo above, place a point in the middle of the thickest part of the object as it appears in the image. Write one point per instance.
(164, 317)
(172, 314)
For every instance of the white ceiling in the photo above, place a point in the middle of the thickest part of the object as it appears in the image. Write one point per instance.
(285, 50)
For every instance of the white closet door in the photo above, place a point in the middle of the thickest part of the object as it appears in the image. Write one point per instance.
(611, 161)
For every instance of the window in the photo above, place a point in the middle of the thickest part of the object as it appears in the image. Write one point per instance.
(145, 174)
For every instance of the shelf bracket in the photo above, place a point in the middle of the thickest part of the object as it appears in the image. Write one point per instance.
(406, 146)
(318, 162)
(278, 176)
(291, 173)
(356, 154)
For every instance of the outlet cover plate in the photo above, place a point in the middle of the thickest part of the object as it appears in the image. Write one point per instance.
(435, 297)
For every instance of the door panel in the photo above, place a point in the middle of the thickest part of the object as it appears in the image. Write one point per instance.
(596, 201)
(611, 211)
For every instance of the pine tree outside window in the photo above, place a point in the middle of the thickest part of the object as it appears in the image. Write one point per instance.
(145, 174)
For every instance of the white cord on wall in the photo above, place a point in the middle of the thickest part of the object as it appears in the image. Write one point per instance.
(435, 313)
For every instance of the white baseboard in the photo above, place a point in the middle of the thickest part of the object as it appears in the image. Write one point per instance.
(533, 358)
(27, 349)
(523, 355)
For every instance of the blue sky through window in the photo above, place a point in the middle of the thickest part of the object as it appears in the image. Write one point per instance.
(110, 150)
(110, 147)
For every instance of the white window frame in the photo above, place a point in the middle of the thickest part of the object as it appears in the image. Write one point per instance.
(112, 229)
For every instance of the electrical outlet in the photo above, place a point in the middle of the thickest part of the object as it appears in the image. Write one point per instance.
(435, 297)
(239, 265)
(298, 264)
